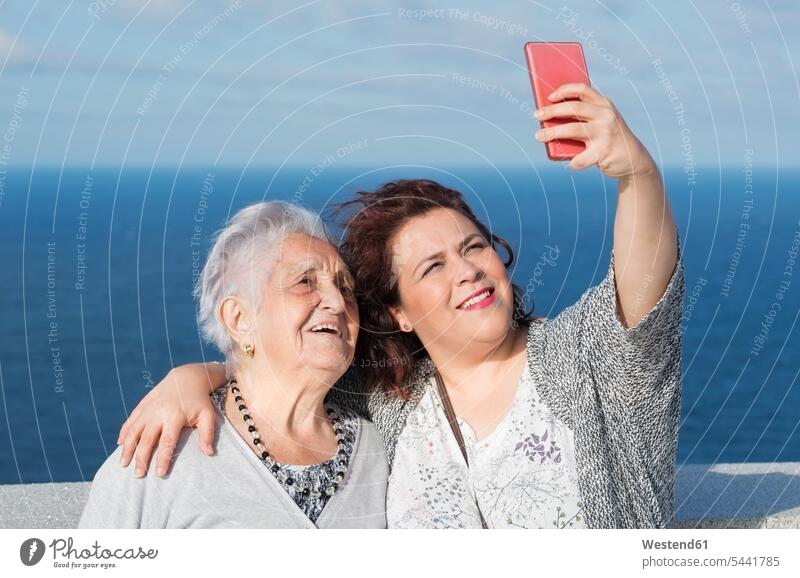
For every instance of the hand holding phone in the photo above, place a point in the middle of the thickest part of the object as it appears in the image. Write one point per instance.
(578, 123)
(552, 64)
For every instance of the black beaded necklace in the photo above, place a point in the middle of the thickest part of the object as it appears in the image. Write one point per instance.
(341, 453)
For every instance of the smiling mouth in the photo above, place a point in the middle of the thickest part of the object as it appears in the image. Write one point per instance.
(482, 299)
(326, 329)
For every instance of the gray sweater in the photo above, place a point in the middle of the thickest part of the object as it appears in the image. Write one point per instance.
(618, 389)
(233, 489)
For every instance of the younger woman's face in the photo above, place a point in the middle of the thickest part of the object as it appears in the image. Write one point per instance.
(454, 289)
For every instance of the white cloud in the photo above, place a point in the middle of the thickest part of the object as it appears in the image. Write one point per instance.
(6, 46)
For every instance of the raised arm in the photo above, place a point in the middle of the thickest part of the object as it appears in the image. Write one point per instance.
(645, 243)
(180, 400)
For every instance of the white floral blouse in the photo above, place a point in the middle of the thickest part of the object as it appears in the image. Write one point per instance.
(522, 475)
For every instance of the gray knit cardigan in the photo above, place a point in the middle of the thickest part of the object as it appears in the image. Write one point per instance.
(618, 389)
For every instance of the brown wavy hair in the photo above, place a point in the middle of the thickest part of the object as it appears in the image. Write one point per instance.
(384, 353)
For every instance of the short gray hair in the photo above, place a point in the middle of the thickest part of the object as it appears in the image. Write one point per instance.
(250, 235)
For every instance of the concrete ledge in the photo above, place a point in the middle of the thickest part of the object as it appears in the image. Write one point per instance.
(57, 505)
(706, 496)
(738, 496)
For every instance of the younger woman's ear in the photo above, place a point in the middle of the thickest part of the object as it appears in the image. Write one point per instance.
(403, 324)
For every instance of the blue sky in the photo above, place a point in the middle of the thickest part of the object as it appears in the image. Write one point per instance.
(379, 83)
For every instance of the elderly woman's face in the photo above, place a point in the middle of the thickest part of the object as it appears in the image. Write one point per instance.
(308, 315)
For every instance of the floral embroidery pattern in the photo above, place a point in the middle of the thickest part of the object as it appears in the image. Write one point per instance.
(534, 447)
(561, 520)
(522, 475)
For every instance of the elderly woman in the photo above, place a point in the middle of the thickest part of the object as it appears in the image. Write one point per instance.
(277, 300)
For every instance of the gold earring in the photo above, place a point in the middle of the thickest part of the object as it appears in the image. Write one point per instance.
(249, 350)
(406, 326)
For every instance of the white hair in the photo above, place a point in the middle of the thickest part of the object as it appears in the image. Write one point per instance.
(248, 244)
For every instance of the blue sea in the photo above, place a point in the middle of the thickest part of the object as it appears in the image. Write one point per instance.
(98, 266)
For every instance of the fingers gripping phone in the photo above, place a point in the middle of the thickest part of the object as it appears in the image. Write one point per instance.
(550, 65)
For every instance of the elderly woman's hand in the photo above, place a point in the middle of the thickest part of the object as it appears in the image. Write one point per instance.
(610, 144)
(179, 400)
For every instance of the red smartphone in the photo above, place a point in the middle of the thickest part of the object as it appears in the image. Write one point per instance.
(550, 65)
